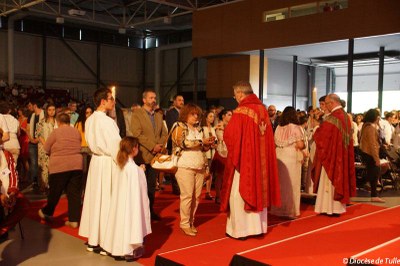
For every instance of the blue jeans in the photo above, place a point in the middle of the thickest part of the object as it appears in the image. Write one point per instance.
(33, 167)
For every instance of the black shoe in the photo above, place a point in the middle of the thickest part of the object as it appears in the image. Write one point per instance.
(217, 200)
(136, 253)
(155, 217)
(3, 237)
(91, 248)
(237, 238)
(104, 253)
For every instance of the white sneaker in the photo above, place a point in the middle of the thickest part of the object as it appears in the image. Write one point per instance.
(104, 253)
(91, 248)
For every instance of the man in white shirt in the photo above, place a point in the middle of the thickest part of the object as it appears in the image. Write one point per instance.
(386, 127)
(74, 115)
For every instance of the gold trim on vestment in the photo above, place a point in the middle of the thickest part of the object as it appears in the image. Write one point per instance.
(247, 111)
(338, 124)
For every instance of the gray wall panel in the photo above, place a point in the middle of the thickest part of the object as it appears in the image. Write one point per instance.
(280, 83)
(121, 65)
(150, 62)
(169, 61)
(27, 55)
(3, 55)
(62, 63)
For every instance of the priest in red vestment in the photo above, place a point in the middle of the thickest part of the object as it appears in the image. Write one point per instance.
(334, 172)
(250, 182)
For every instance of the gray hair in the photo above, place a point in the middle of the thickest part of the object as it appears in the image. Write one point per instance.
(243, 86)
(144, 95)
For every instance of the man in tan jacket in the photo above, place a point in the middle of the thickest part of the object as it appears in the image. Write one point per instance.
(148, 127)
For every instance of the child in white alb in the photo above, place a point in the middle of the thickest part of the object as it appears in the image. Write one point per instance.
(129, 218)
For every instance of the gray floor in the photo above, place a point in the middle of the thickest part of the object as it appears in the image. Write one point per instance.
(392, 197)
(45, 246)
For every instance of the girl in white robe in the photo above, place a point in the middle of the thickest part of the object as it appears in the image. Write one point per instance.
(129, 217)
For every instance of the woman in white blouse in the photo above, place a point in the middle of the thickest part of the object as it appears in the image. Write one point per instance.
(11, 145)
(189, 141)
(289, 143)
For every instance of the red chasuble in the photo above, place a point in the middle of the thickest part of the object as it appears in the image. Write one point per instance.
(335, 152)
(251, 151)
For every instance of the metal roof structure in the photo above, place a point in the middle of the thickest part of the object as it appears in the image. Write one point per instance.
(122, 15)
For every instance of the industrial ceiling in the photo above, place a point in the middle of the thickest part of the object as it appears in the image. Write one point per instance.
(126, 16)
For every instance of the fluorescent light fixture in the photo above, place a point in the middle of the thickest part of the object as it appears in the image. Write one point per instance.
(76, 12)
(59, 20)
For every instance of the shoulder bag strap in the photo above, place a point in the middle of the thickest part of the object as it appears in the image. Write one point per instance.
(169, 135)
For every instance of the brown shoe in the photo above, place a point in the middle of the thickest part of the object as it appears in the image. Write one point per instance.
(71, 224)
(377, 199)
(194, 229)
(188, 231)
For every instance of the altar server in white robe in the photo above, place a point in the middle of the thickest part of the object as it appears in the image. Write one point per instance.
(102, 137)
(129, 220)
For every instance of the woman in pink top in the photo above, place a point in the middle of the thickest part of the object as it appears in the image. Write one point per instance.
(65, 168)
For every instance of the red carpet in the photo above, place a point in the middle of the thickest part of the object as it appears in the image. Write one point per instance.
(167, 236)
(383, 254)
(334, 244)
(221, 252)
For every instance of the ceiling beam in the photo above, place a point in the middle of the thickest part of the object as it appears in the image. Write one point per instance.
(165, 3)
(18, 7)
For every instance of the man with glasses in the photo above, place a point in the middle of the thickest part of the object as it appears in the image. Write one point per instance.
(147, 126)
(102, 136)
(334, 172)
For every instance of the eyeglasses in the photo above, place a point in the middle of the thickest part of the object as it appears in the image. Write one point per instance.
(235, 93)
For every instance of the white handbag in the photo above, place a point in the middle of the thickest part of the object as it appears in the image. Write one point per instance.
(167, 163)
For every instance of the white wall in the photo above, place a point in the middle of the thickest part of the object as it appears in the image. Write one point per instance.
(280, 82)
